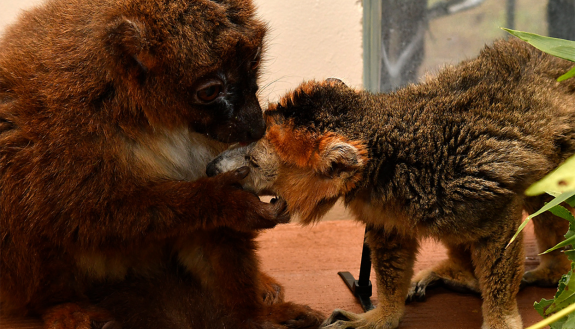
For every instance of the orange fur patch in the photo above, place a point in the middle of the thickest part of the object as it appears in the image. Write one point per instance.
(293, 146)
(306, 160)
(305, 148)
(305, 192)
(302, 180)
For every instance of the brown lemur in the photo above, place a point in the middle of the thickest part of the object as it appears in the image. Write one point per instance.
(449, 158)
(109, 113)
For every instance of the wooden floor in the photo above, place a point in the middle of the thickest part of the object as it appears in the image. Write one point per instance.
(306, 261)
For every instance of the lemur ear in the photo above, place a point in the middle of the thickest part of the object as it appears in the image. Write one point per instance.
(340, 159)
(335, 81)
(129, 43)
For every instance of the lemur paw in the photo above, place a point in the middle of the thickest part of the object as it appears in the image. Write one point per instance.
(292, 316)
(273, 294)
(373, 319)
(74, 316)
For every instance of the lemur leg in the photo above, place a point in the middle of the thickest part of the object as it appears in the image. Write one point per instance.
(288, 315)
(76, 316)
(499, 270)
(251, 298)
(272, 291)
(549, 231)
(393, 256)
(455, 273)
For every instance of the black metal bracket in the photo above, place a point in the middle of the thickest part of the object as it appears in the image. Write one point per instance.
(361, 288)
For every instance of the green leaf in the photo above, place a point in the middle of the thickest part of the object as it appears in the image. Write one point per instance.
(561, 180)
(558, 324)
(553, 203)
(521, 227)
(571, 255)
(571, 201)
(570, 323)
(570, 231)
(564, 213)
(542, 305)
(570, 235)
(567, 75)
(565, 295)
(557, 311)
(561, 244)
(557, 47)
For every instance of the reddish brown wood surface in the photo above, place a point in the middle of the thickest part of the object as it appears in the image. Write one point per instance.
(306, 261)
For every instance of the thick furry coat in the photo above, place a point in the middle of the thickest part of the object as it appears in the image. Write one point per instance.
(109, 113)
(449, 158)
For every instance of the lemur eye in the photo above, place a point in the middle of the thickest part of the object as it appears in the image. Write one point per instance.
(209, 91)
(252, 161)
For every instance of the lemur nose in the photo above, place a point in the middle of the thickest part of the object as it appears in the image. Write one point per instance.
(212, 170)
(257, 130)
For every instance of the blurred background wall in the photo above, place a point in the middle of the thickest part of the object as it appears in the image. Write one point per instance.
(317, 39)
(308, 39)
(9, 10)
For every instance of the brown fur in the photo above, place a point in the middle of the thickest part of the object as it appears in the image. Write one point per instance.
(109, 113)
(225, 289)
(449, 158)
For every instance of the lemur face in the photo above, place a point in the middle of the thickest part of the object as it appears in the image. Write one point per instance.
(260, 157)
(309, 169)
